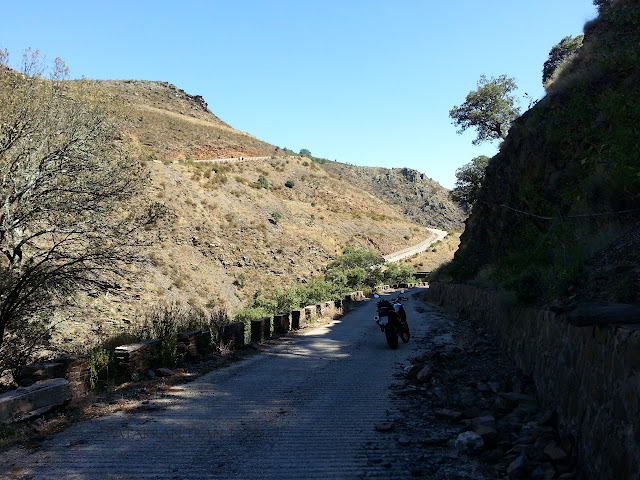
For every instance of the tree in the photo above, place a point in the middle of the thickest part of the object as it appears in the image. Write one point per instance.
(67, 220)
(490, 109)
(602, 4)
(560, 53)
(469, 179)
(305, 152)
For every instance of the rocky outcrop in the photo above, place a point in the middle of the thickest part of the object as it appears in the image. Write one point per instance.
(411, 193)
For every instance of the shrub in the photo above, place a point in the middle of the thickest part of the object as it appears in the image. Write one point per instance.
(289, 183)
(263, 182)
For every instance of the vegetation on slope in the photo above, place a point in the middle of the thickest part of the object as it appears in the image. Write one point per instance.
(566, 182)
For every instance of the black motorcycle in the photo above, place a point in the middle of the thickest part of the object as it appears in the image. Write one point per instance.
(392, 320)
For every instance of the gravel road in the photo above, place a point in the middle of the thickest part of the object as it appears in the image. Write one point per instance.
(304, 409)
(435, 236)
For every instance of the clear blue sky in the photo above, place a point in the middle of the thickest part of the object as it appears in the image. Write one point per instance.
(366, 82)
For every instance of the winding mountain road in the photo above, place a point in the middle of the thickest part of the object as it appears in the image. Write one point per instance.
(304, 409)
(436, 235)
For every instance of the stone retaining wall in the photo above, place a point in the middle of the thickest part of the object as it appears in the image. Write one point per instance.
(591, 374)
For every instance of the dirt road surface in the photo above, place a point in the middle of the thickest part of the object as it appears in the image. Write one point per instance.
(436, 235)
(304, 409)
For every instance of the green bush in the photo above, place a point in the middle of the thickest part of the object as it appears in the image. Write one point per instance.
(289, 183)
(263, 182)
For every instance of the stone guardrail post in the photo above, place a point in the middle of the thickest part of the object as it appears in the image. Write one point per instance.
(260, 329)
(297, 318)
(138, 357)
(281, 323)
(233, 333)
(309, 311)
(74, 368)
(187, 345)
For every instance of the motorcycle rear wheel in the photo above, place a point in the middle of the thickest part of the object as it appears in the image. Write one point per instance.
(405, 334)
(392, 336)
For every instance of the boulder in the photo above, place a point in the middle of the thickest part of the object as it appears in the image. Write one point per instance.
(469, 442)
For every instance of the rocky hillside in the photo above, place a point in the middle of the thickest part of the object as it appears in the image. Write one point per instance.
(564, 191)
(229, 237)
(409, 192)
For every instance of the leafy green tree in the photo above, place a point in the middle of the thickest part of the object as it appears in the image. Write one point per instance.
(354, 258)
(490, 109)
(559, 53)
(469, 179)
(397, 273)
(305, 152)
(68, 219)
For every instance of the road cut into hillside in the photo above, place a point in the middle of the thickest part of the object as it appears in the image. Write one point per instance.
(305, 408)
(435, 236)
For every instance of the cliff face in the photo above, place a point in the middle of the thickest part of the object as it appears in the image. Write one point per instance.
(553, 196)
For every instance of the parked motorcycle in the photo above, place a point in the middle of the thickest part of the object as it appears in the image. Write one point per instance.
(392, 320)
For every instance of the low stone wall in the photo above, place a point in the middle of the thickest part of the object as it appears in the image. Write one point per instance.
(591, 374)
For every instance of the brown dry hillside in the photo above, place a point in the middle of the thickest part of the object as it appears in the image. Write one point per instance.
(228, 237)
(168, 123)
(223, 243)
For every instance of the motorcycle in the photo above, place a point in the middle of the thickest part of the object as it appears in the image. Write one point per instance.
(392, 320)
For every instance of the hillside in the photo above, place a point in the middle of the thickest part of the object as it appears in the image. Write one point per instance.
(224, 243)
(168, 123)
(228, 238)
(557, 216)
(236, 228)
(409, 192)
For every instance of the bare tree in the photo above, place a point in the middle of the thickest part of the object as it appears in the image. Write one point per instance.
(67, 220)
